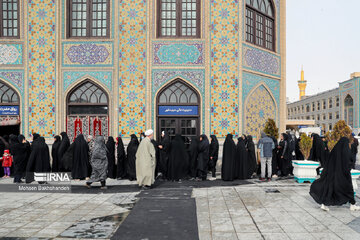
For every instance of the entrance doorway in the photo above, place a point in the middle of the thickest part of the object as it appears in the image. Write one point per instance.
(9, 110)
(178, 111)
(87, 111)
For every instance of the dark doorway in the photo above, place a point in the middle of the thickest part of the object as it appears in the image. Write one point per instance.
(178, 111)
(7, 130)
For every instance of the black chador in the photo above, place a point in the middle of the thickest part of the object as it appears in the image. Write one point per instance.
(242, 159)
(318, 150)
(193, 154)
(81, 164)
(203, 157)
(110, 145)
(131, 157)
(65, 144)
(55, 153)
(121, 159)
(252, 163)
(164, 154)
(214, 154)
(334, 187)
(20, 151)
(228, 160)
(39, 160)
(179, 161)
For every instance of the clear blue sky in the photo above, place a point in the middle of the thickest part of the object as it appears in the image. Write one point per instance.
(324, 37)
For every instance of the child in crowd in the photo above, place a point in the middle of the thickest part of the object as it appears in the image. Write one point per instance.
(6, 163)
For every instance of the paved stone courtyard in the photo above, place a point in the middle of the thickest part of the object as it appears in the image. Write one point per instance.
(257, 210)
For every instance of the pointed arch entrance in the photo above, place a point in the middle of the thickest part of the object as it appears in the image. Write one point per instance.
(349, 110)
(178, 110)
(9, 110)
(87, 110)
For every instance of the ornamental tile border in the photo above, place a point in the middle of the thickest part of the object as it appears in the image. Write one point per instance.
(261, 61)
(70, 77)
(87, 54)
(175, 53)
(161, 77)
(15, 77)
(11, 54)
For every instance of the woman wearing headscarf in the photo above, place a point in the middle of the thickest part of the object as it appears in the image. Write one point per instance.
(65, 144)
(228, 159)
(157, 155)
(285, 155)
(179, 159)
(99, 163)
(121, 159)
(214, 154)
(298, 153)
(241, 158)
(252, 163)
(203, 157)
(334, 187)
(318, 151)
(80, 165)
(55, 153)
(193, 155)
(110, 145)
(131, 157)
(39, 159)
(164, 147)
(20, 150)
(274, 160)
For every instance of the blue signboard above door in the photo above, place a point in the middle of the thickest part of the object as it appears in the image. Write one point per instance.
(178, 110)
(9, 110)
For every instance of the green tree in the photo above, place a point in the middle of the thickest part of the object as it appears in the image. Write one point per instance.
(305, 145)
(271, 129)
(340, 130)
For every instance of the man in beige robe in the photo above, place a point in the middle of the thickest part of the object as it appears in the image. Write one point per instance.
(146, 161)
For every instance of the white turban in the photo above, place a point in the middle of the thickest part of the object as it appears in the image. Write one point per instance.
(149, 132)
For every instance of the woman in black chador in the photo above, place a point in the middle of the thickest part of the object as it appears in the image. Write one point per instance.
(39, 160)
(318, 150)
(121, 159)
(65, 144)
(334, 187)
(164, 147)
(131, 157)
(193, 154)
(203, 157)
(81, 163)
(242, 158)
(55, 153)
(20, 149)
(179, 162)
(252, 163)
(214, 155)
(228, 160)
(284, 155)
(110, 145)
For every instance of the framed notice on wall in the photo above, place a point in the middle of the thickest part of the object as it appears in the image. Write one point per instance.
(178, 110)
(9, 110)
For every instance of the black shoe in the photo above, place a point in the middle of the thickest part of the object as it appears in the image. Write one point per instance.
(145, 188)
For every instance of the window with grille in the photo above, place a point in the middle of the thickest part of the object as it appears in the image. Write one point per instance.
(89, 18)
(7, 95)
(9, 24)
(178, 93)
(88, 98)
(260, 18)
(179, 18)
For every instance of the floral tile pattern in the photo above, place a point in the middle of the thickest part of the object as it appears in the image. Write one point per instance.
(11, 54)
(72, 76)
(132, 69)
(42, 66)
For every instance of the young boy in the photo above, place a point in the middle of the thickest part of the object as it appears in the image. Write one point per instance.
(7, 162)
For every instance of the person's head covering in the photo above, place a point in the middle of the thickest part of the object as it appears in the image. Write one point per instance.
(286, 137)
(90, 137)
(249, 138)
(149, 132)
(13, 139)
(21, 138)
(35, 136)
(6, 151)
(57, 138)
(214, 139)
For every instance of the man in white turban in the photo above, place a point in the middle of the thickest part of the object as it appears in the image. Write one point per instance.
(146, 161)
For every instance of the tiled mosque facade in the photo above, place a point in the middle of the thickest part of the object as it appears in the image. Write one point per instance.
(239, 84)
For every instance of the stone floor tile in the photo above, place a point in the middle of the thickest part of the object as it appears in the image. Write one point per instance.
(22, 233)
(300, 236)
(48, 233)
(221, 225)
(275, 236)
(325, 236)
(249, 236)
(293, 228)
(204, 235)
(242, 220)
(245, 228)
(224, 236)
